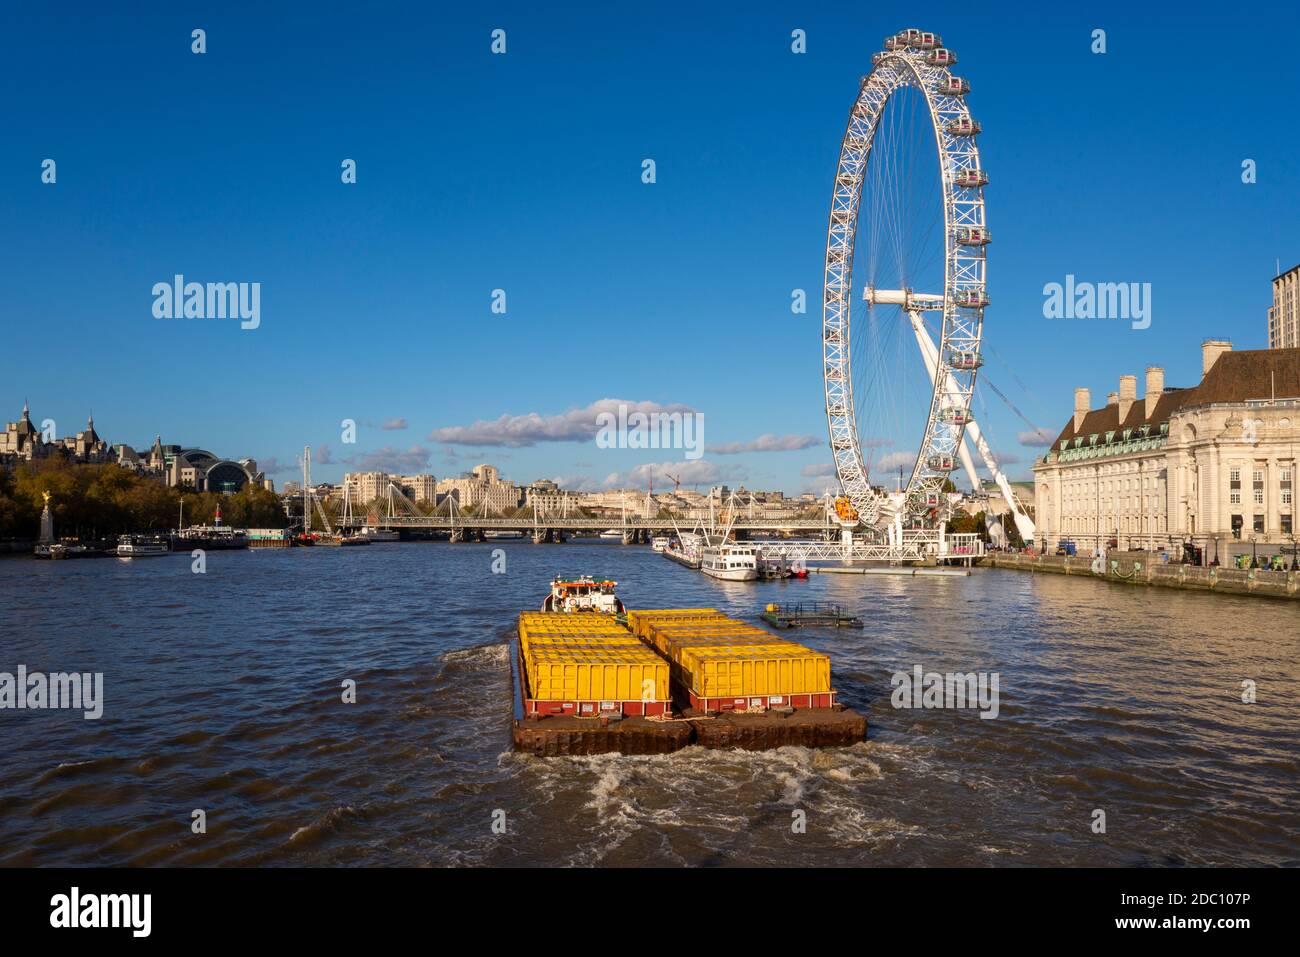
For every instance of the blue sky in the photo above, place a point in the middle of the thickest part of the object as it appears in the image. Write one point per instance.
(523, 172)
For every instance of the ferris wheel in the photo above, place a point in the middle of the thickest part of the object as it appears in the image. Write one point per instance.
(907, 219)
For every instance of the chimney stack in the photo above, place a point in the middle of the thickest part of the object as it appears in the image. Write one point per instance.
(1082, 402)
(1112, 398)
(1155, 388)
(1211, 349)
(1128, 393)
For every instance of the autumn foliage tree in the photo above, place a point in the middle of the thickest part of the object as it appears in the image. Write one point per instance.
(97, 501)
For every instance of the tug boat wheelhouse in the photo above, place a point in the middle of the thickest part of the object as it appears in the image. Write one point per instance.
(583, 595)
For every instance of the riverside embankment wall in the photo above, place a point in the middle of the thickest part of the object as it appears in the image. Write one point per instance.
(1142, 568)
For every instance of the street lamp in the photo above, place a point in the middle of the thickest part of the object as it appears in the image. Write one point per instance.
(1254, 560)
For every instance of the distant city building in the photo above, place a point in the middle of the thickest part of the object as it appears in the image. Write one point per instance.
(484, 487)
(1284, 316)
(23, 442)
(1213, 466)
(418, 488)
(364, 487)
(547, 498)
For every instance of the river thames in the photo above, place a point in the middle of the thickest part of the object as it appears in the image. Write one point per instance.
(222, 692)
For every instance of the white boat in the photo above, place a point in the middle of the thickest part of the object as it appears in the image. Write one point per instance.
(500, 534)
(730, 562)
(142, 546)
(583, 594)
(611, 533)
(381, 534)
(659, 543)
(685, 549)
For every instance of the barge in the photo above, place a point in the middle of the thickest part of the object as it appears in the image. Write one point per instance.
(656, 681)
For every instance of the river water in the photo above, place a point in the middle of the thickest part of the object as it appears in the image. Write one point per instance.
(223, 693)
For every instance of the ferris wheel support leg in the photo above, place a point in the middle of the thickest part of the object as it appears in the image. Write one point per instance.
(972, 433)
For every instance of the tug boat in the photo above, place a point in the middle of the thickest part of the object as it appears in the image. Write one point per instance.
(659, 543)
(583, 595)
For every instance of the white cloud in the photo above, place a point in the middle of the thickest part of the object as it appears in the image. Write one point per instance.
(521, 431)
(393, 425)
(818, 470)
(398, 461)
(1038, 437)
(323, 455)
(273, 466)
(766, 443)
(893, 462)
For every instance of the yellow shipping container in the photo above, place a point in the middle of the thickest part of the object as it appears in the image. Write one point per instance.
(667, 641)
(568, 677)
(581, 641)
(529, 630)
(704, 627)
(639, 620)
(685, 654)
(553, 630)
(674, 648)
(724, 674)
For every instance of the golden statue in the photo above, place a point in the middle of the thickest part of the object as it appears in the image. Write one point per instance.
(46, 494)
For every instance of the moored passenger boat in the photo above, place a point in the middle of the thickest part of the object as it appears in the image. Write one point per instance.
(142, 546)
(730, 561)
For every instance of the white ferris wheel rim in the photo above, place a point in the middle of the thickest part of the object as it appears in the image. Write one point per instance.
(964, 271)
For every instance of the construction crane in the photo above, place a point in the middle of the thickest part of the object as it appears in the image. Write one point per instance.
(677, 482)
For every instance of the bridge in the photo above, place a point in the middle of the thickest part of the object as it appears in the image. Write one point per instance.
(555, 529)
(822, 538)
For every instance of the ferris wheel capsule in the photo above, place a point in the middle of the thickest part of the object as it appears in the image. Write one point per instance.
(962, 126)
(927, 41)
(973, 236)
(910, 37)
(971, 178)
(941, 57)
(954, 86)
(971, 298)
(965, 361)
(940, 463)
(894, 43)
(954, 416)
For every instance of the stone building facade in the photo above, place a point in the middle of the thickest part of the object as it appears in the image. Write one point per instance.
(1212, 466)
(21, 441)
